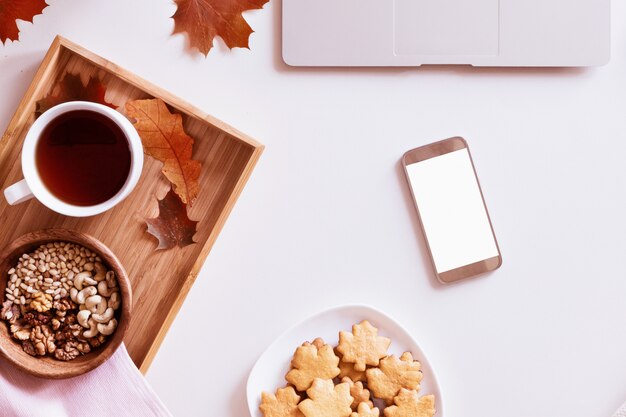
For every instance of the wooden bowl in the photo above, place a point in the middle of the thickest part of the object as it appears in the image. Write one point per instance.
(46, 366)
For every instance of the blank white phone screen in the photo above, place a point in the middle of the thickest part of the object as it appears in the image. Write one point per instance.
(452, 210)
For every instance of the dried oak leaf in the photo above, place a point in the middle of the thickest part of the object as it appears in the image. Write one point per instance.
(12, 10)
(203, 20)
(164, 138)
(172, 227)
(71, 88)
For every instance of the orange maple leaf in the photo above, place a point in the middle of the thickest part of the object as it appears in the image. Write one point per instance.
(164, 138)
(202, 20)
(71, 88)
(12, 10)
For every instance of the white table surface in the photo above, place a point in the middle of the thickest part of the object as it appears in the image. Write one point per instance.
(326, 218)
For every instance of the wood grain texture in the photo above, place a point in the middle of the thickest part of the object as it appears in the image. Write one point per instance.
(47, 367)
(160, 279)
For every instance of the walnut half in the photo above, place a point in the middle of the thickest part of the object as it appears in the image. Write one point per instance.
(36, 319)
(43, 340)
(97, 341)
(41, 302)
(10, 312)
(20, 330)
(71, 350)
(29, 348)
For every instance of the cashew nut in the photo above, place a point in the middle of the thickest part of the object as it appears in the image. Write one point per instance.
(96, 304)
(93, 329)
(73, 294)
(114, 301)
(83, 318)
(84, 293)
(104, 290)
(104, 318)
(83, 278)
(100, 272)
(107, 329)
(110, 278)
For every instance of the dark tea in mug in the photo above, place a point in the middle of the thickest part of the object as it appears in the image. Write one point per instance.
(83, 158)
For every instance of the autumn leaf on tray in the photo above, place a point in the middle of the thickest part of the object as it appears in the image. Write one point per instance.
(71, 88)
(172, 226)
(12, 10)
(165, 139)
(203, 20)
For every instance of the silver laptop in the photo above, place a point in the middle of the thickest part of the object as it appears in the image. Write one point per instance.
(539, 33)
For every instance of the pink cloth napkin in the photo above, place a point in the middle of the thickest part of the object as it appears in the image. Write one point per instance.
(116, 388)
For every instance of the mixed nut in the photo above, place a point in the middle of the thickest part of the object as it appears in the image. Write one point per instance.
(61, 301)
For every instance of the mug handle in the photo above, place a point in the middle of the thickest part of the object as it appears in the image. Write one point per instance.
(18, 193)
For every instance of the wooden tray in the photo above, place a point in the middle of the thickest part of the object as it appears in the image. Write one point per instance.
(160, 279)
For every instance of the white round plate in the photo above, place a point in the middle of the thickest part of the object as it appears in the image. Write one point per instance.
(268, 373)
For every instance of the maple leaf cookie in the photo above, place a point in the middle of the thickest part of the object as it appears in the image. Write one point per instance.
(318, 342)
(409, 404)
(283, 404)
(392, 374)
(346, 369)
(363, 346)
(310, 362)
(358, 392)
(327, 400)
(366, 410)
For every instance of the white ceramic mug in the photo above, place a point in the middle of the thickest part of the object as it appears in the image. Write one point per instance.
(32, 185)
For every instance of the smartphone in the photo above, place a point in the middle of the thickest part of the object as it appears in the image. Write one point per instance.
(452, 210)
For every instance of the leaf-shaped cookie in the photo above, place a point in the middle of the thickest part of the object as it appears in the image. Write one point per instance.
(203, 20)
(327, 400)
(346, 369)
(310, 362)
(366, 410)
(71, 88)
(318, 342)
(359, 393)
(392, 374)
(409, 404)
(363, 346)
(172, 227)
(282, 404)
(165, 139)
(12, 10)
